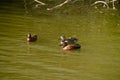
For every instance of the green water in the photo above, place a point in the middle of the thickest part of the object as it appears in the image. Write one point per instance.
(98, 34)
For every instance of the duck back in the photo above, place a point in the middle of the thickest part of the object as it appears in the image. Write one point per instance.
(77, 46)
(32, 38)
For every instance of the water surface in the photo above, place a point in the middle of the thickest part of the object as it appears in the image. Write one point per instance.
(98, 34)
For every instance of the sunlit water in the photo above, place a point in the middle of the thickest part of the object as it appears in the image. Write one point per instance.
(98, 34)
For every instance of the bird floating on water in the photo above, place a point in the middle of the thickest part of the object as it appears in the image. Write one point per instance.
(69, 43)
(31, 38)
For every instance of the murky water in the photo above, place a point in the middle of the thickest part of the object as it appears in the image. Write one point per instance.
(98, 34)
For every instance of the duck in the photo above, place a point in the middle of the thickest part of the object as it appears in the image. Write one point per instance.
(72, 47)
(69, 43)
(31, 38)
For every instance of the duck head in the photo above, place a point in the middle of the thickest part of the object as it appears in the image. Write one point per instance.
(62, 38)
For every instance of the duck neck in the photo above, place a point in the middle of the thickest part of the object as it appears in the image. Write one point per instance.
(29, 35)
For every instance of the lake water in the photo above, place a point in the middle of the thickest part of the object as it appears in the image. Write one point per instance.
(98, 33)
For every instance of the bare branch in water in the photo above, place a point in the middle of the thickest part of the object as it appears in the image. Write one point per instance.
(60, 5)
(40, 2)
(105, 3)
